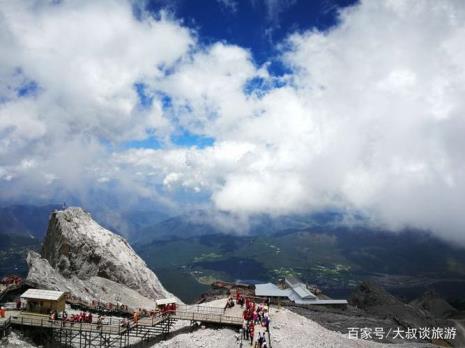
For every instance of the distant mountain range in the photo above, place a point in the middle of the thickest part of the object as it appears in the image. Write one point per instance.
(319, 248)
(201, 223)
(25, 219)
(144, 226)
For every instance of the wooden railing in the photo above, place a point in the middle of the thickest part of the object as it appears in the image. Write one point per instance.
(5, 327)
(208, 317)
(206, 314)
(200, 309)
(115, 328)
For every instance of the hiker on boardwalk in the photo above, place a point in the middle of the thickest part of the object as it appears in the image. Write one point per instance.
(125, 323)
(135, 317)
(255, 317)
(2, 312)
(99, 322)
(229, 304)
(267, 323)
(173, 308)
(245, 330)
(251, 331)
(241, 301)
(53, 315)
(260, 339)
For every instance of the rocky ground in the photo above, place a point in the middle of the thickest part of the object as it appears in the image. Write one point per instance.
(15, 340)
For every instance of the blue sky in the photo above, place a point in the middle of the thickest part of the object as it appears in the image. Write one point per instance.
(258, 25)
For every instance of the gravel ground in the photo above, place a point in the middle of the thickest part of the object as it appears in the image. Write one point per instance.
(289, 329)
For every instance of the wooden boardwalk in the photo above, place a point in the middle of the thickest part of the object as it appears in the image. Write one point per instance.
(208, 314)
(114, 333)
(111, 334)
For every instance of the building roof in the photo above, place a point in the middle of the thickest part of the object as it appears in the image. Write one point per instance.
(299, 288)
(40, 294)
(164, 301)
(303, 292)
(316, 301)
(297, 292)
(270, 290)
(292, 281)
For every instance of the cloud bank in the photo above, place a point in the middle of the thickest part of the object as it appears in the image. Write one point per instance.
(368, 118)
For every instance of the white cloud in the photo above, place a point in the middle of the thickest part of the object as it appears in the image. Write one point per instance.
(85, 58)
(364, 124)
(207, 89)
(387, 83)
(370, 117)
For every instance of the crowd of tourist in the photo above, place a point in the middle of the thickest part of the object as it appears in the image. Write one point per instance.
(169, 308)
(87, 317)
(256, 320)
(102, 306)
(82, 317)
(253, 315)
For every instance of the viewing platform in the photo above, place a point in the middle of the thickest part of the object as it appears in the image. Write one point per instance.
(117, 332)
(207, 314)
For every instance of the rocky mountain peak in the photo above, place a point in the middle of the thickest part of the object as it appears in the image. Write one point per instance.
(77, 247)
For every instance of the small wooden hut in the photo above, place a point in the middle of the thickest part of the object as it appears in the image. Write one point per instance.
(44, 301)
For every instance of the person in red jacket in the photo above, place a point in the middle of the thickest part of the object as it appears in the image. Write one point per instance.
(251, 331)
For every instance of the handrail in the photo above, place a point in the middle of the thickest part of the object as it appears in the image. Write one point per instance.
(6, 322)
(200, 309)
(39, 322)
(196, 313)
(211, 317)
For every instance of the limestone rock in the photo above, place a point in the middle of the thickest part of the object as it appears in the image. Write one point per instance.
(80, 256)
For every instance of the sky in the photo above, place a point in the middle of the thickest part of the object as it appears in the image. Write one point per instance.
(247, 107)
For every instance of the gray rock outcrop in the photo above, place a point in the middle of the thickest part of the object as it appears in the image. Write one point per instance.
(431, 302)
(375, 300)
(80, 256)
